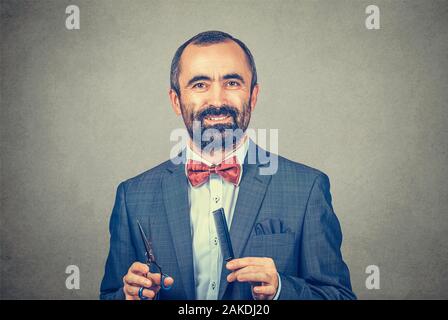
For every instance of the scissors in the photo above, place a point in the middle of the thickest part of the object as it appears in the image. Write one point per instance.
(151, 259)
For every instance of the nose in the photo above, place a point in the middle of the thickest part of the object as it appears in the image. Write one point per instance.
(217, 95)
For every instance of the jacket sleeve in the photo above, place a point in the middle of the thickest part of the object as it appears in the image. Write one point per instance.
(121, 251)
(322, 271)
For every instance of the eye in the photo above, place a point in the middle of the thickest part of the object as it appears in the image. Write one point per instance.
(232, 83)
(199, 85)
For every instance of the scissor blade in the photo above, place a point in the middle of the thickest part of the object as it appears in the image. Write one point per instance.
(147, 243)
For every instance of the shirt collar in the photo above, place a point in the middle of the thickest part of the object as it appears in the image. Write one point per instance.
(239, 152)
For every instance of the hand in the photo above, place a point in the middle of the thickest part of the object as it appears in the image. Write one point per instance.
(139, 276)
(252, 269)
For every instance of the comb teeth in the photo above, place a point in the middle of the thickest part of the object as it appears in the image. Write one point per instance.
(223, 234)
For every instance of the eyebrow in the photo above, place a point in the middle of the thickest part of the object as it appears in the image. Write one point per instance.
(198, 78)
(207, 78)
(234, 76)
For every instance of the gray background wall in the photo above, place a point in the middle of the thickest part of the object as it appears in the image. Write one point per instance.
(83, 110)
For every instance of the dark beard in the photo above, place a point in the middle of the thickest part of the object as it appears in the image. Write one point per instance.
(222, 136)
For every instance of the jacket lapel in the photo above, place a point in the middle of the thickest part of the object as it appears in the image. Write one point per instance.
(250, 196)
(175, 195)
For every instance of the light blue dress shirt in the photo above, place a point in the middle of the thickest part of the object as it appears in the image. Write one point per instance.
(214, 194)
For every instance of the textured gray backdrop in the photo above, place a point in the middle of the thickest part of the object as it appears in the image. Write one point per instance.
(83, 110)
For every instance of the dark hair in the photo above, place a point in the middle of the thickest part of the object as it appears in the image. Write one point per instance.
(205, 38)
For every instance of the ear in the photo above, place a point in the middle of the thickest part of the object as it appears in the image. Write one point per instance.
(254, 96)
(175, 102)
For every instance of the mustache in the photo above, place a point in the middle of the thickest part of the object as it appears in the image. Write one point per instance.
(224, 110)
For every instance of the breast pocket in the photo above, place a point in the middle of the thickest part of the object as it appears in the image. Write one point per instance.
(281, 247)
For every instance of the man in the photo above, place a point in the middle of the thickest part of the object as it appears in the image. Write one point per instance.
(285, 235)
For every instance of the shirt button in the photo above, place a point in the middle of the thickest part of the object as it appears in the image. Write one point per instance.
(213, 285)
(215, 241)
(216, 198)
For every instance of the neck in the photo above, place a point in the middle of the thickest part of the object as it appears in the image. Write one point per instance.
(216, 156)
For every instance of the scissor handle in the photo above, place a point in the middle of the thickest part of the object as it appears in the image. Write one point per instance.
(162, 282)
(163, 276)
(162, 285)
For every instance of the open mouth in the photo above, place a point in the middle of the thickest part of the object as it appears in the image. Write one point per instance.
(217, 118)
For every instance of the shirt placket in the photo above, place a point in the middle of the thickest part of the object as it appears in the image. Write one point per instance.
(215, 203)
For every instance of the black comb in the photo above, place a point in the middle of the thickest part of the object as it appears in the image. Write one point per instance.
(223, 234)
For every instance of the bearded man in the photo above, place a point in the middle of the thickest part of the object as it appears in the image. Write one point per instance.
(285, 234)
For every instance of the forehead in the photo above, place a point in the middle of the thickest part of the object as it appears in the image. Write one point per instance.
(213, 59)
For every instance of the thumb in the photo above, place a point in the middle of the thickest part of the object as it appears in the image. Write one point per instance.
(167, 281)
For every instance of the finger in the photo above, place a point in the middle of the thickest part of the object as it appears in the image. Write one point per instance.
(232, 276)
(264, 290)
(168, 281)
(135, 280)
(255, 277)
(154, 289)
(155, 278)
(133, 291)
(139, 268)
(244, 262)
(257, 296)
(148, 293)
(126, 294)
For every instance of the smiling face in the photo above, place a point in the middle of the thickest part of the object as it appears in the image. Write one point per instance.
(215, 88)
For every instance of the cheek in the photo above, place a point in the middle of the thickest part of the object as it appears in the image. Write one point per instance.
(192, 103)
(237, 100)
(188, 103)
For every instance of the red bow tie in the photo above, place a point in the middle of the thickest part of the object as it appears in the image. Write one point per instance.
(199, 172)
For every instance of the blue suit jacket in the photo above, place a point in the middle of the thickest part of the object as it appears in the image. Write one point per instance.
(287, 216)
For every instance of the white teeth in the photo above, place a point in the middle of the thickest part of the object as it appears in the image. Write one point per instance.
(218, 118)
